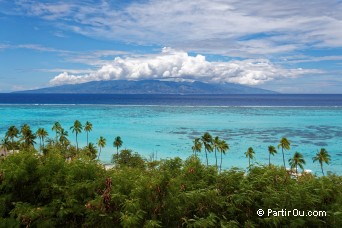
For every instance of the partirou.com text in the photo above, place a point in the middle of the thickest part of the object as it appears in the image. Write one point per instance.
(293, 212)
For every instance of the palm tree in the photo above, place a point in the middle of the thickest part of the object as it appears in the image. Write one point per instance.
(87, 128)
(197, 147)
(91, 150)
(272, 150)
(223, 147)
(12, 133)
(216, 144)
(322, 156)
(91, 146)
(117, 143)
(50, 141)
(285, 145)
(296, 161)
(63, 137)
(27, 136)
(207, 141)
(101, 143)
(41, 133)
(76, 128)
(57, 128)
(250, 155)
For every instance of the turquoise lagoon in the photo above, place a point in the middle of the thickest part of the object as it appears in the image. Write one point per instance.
(168, 131)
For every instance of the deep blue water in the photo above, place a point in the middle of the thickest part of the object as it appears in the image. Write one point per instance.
(176, 100)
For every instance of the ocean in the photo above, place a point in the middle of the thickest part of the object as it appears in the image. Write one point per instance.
(165, 125)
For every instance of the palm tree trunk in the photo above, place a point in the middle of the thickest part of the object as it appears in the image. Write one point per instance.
(296, 169)
(269, 159)
(206, 155)
(249, 162)
(87, 139)
(43, 143)
(98, 157)
(322, 169)
(76, 143)
(282, 150)
(40, 144)
(221, 162)
(117, 150)
(216, 158)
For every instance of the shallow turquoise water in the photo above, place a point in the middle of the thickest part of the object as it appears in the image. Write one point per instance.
(168, 131)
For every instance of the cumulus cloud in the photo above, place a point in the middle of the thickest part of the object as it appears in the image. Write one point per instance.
(174, 64)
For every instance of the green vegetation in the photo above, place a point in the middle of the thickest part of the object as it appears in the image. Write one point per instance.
(66, 186)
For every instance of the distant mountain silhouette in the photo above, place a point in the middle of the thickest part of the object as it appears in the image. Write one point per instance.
(150, 87)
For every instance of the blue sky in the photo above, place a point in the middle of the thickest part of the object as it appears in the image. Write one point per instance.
(283, 45)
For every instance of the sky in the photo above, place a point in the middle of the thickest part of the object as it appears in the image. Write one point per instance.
(288, 46)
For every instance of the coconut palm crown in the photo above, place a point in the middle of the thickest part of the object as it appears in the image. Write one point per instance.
(296, 161)
(41, 133)
(207, 140)
(250, 155)
(12, 133)
(88, 127)
(322, 156)
(197, 147)
(285, 145)
(272, 151)
(57, 128)
(27, 136)
(76, 128)
(223, 147)
(216, 144)
(117, 143)
(101, 144)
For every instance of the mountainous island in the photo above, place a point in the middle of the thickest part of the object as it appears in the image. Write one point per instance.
(150, 87)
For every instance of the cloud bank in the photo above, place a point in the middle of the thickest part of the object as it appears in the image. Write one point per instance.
(174, 64)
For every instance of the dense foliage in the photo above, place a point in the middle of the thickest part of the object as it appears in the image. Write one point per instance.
(48, 190)
(62, 185)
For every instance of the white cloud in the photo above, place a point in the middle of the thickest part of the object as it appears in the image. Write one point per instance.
(3, 46)
(38, 47)
(176, 64)
(35, 47)
(92, 58)
(71, 71)
(309, 59)
(249, 27)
